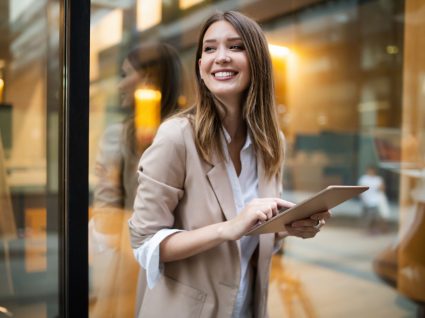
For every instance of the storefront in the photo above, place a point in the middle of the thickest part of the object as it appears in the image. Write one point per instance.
(350, 91)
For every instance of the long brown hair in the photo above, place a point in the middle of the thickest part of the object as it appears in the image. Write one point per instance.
(259, 109)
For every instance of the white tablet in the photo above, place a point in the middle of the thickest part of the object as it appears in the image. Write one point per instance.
(322, 201)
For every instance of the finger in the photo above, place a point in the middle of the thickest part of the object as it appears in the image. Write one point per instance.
(269, 212)
(261, 216)
(321, 215)
(274, 208)
(303, 233)
(304, 223)
(281, 235)
(283, 203)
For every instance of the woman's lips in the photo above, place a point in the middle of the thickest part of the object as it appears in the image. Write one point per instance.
(224, 75)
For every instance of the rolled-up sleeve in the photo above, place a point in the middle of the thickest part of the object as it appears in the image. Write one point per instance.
(147, 255)
(161, 175)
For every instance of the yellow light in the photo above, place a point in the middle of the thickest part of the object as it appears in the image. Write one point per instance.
(1, 89)
(280, 56)
(148, 94)
(279, 51)
(392, 49)
(147, 114)
(149, 13)
(185, 4)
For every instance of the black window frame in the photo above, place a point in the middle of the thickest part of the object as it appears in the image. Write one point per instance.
(73, 161)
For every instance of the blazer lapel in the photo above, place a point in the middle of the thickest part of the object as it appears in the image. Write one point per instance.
(220, 184)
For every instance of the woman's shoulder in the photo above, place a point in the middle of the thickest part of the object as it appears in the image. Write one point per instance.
(169, 144)
(176, 122)
(175, 128)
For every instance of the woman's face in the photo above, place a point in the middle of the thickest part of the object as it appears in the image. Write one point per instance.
(128, 83)
(224, 65)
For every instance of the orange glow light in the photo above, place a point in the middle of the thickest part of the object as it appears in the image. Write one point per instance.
(185, 4)
(148, 113)
(279, 51)
(1, 89)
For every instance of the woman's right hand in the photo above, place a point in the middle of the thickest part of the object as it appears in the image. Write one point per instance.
(257, 211)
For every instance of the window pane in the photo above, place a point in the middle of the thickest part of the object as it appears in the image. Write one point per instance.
(349, 89)
(29, 147)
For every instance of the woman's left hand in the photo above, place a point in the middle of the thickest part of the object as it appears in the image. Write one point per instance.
(306, 228)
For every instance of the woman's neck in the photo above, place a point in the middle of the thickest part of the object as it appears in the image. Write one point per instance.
(231, 118)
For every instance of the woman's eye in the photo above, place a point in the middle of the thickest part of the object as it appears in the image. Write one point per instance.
(237, 47)
(208, 49)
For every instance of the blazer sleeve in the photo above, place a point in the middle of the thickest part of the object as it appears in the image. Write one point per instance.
(161, 174)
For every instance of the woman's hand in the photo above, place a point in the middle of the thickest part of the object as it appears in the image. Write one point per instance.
(257, 211)
(306, 228)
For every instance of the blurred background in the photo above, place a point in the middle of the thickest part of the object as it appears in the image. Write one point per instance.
(350, 94)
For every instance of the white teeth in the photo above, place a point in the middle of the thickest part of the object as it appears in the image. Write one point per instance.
(224, 74)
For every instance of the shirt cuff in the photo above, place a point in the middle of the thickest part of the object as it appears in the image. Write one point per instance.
(147, 256)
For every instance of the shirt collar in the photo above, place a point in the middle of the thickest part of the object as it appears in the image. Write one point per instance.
(228, 139)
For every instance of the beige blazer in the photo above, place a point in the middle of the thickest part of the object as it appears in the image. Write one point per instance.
(177, 189)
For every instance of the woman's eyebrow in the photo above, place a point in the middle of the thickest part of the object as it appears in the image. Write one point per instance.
(232, 39)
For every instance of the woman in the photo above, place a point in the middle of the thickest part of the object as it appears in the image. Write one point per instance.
(148, 66)
(211, 174)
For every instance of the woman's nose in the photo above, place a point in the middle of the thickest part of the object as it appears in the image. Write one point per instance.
(222, 57)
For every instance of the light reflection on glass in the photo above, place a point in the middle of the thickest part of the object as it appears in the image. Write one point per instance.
(185, 4)
(148, 113)
(148, 13)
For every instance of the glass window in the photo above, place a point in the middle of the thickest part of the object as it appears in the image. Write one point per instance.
(29, 147)
(350, 94)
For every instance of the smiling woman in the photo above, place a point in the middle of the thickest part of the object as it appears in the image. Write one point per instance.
(210, 175)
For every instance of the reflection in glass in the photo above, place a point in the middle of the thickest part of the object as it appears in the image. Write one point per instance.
(149, 13)
(148, 93)
(185, 4)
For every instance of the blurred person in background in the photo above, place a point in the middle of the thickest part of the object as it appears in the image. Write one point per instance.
(374, 201)
(149, 89)
(210, 175)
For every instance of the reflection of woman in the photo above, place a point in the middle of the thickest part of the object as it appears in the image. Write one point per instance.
(210, 175)
(114, 270)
